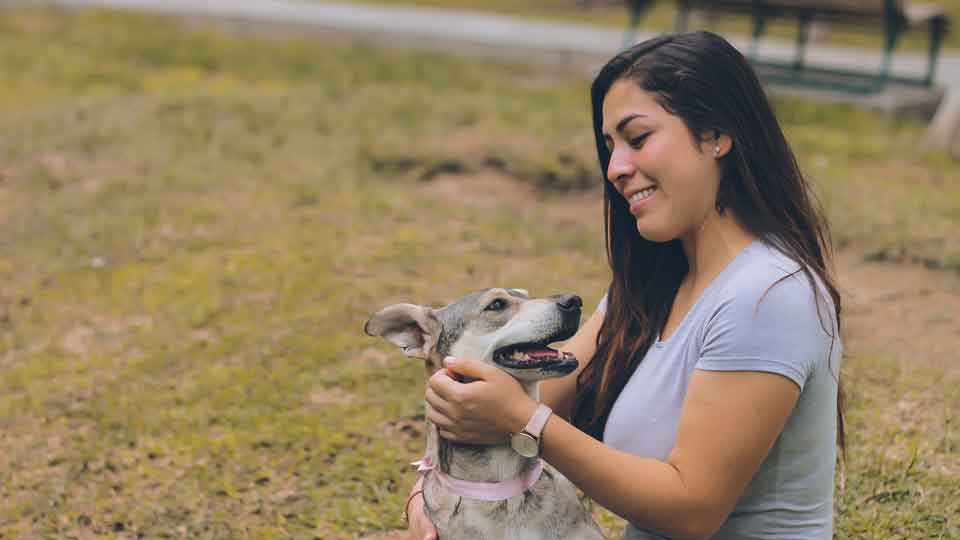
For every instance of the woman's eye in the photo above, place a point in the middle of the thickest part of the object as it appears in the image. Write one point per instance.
(496, 305)
(637, 142)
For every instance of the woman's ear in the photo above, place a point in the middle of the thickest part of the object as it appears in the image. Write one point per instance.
(716, 144)
(722, 143)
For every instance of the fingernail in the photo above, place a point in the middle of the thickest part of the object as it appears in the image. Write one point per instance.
(449, 361)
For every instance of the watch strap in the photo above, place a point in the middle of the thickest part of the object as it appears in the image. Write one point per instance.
(538, 420)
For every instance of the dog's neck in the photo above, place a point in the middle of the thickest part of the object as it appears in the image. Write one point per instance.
(479, 463)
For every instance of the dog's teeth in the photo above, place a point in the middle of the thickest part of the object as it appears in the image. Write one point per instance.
(520, 357)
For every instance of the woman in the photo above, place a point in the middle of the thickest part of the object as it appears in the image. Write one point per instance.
(708, 402)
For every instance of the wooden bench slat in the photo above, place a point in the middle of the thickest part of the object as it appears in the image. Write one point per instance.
(923, 13)
(838, 7)
(912, 14)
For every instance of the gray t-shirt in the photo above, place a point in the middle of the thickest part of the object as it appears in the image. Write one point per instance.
(743, 322)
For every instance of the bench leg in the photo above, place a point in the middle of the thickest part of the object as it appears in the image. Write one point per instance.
(683, 17)
(759, 24)
(892, 35)
(630, 34)
(637, 9)
(937, 28)
(803, 33)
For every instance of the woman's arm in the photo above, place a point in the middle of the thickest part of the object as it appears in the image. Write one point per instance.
(559, 393)
(730, 420)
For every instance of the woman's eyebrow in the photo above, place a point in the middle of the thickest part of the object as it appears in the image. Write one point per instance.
(622, 124)
(626, 120)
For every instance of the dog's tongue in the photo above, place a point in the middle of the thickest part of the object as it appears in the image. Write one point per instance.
(533, 353)
(538, 353)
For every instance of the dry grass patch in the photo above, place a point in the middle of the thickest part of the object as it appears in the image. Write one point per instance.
(195, 235)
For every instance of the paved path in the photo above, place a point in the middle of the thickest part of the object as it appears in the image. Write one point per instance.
(493, 33)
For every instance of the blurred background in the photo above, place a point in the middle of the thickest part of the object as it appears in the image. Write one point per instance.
(202, 202)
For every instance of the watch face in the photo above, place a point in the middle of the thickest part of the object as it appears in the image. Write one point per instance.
(525, 445)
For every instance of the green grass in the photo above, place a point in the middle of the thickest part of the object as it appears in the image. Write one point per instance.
(197, 224)
(901, 474)
(661, 18)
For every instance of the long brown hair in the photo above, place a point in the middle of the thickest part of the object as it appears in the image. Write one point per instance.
(703, 80)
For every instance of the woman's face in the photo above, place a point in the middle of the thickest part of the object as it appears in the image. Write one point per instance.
(669, 180)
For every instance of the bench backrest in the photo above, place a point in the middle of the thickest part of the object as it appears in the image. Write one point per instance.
(836, 8)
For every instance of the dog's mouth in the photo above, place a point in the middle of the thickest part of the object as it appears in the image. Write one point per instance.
(535, 356)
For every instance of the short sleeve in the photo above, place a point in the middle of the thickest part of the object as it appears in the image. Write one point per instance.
(770, 326)
(602, 306)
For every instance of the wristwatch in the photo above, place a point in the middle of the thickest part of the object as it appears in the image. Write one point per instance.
(527, 441)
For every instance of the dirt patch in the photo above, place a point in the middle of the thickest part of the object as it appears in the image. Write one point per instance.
(473, 144)
(577, 208)
(405, 429)
(372, 357)
(78, 341)
(488, 189)
(102, 333)
(323, 397)
(905, 311)
(545, 168)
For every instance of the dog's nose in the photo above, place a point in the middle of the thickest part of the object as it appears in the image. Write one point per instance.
(569, 302)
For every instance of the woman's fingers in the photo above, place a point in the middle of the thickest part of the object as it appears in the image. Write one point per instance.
(420, 527)
(442, 421)
(446, 427)
(448, 435)
(456, 431)
(439, 404)
(444, 386)
(482, 411)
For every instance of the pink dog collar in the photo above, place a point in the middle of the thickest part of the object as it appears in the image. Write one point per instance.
(484, 491)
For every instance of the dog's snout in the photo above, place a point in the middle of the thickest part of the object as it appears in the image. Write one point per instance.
(569, 302)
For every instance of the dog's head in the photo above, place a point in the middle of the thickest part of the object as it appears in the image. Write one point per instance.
(503, 327)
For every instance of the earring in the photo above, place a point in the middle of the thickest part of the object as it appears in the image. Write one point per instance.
(716, 150)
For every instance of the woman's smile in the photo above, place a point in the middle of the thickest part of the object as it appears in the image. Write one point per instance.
(641, 198)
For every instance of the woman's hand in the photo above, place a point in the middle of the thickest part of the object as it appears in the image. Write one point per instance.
(484, 410)
(419, 526)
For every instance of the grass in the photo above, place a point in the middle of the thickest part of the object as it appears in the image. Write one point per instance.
(661, 18)
(900, 479)
(196, 225)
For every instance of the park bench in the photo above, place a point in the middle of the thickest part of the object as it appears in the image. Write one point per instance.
(891, 17)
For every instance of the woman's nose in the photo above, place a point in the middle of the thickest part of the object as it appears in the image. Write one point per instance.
(620, 168)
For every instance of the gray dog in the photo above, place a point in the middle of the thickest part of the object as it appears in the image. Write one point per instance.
(510, 330)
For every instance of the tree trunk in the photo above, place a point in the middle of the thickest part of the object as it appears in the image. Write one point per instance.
(944, 130)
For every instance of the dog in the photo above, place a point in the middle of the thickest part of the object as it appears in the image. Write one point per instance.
(510, 330)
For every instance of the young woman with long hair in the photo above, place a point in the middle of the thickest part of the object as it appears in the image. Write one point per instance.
(708, 401)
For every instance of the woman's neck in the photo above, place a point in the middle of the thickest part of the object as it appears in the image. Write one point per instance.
(712, 247)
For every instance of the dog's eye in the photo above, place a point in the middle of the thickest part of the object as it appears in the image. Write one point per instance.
(497, 305)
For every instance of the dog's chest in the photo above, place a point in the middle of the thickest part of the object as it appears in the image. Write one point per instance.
(550, 510)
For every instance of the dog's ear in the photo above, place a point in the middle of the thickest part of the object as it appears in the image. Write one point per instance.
(415, 329)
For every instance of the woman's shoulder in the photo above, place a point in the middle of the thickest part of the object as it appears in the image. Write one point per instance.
(768, 281)
(769, 317)
(764, 266)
